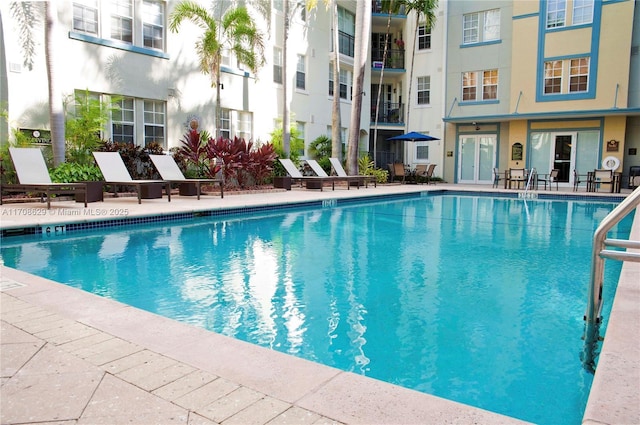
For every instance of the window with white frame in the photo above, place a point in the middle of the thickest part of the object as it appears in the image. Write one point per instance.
(153, 24)
(243, 125)
(578, 75)
(422, 152)
(123, 120)
(556, 13)
(277, 65)
(490, 84)
(301, 73)
(424, 37)
(225, 123)
(582, 12)
(278, 5)
(154, 122)
(300, 126)
(424, 90)
(481, 27)
(345, 83)
(480, 85)
(552, 77)
(85, 16)
(122, 20)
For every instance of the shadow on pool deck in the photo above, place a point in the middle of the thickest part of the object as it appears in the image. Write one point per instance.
(68, 355)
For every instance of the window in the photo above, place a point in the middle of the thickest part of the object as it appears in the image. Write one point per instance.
(578, 75)
(85, 16)
(552, 77)
(225, 123)
(422, 152)
(424, 37)
(469, 86)
(470, 28)
(122, 20)
(300, 126)
(243, 125)
(424, 90)
(346, 32)
(278, 5)
(556, 13)
(484, 83)
(300, 73)
(582, 12)
(490, 85)
(123, 121)
(154, 119)
(153, 24)
(345, 82)
(277, 65)
(479, 27)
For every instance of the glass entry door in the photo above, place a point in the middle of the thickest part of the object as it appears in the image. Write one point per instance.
(562, 156)
(476, 158)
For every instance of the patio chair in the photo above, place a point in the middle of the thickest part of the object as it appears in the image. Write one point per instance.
(169, 171)
(116, 174)
(337, 167)
(496, 177)
(601, 178)
(516, 175)
(312, 182)
(424, 172)
(550, 178)
(33, 176)
(321, 173)
(397, 170)
(578, 179)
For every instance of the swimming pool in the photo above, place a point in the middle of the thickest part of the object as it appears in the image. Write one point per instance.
(442, 293)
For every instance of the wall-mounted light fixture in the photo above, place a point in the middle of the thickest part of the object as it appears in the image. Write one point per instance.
(476, 124)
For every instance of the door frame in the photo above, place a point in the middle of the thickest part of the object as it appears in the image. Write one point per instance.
(476, 159)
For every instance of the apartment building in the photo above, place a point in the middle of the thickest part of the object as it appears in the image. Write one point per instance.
(550, 84)
(502, 84)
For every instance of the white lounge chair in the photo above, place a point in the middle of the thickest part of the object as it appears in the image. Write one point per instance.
(337, 167)
(312, 182)
(116, 174)
(320, 172)
(169, 171)
(33, 176)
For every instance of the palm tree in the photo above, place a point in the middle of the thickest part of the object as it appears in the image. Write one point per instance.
(336, 122)
(27, 17)
(235, 31)
(363, 25)
(420, 7)
(391, 7)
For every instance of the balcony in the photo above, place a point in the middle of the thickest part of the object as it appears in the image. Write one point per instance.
(395, 59)
(346, 44)
(389, 113)
(376, 7)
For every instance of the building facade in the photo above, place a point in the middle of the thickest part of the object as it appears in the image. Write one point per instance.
(502, 84)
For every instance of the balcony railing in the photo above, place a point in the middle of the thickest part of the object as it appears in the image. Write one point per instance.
(389, 113)
(395, 58)
(346, 44)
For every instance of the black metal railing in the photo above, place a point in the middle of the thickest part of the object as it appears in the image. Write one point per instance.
(388, 113)
(395, 58)
(346, 43)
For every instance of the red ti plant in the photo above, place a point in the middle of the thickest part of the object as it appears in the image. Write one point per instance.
(193, 151)
(230, 152)
(261, 162)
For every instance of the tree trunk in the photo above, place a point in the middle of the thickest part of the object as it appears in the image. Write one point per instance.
(408, 103)
(375, 123)
(336, 120)
(56, 110)
(363, 22)
(286, 119)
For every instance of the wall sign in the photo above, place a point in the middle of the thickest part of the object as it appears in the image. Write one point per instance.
(516, 152)
(613, 145)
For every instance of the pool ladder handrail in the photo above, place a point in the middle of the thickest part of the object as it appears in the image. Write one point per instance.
(598, 255)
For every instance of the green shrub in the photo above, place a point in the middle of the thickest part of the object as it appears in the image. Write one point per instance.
(71, 172)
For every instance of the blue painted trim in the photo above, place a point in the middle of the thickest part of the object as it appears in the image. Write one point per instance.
(526, 16)
(594, 113)
(479, 102)
(593, 55)
(117, 45)
(480, 43)
(235, 71)
(386, 15)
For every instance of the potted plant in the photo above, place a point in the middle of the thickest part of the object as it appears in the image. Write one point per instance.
(72, 172)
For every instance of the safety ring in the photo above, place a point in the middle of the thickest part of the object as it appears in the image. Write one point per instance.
(610, 163)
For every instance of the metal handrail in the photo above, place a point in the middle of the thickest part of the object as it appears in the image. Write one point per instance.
(598, 255)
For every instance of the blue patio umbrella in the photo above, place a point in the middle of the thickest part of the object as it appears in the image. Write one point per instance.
(413, 136)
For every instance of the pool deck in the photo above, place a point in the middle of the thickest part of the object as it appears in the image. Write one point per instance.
(70, 357)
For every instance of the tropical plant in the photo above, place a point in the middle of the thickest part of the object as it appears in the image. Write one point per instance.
(296, 143)
(191, 153)
(367, 167)
(261, 161)
(136, 158)
(235, 31)
(320, 150)
(71, 172)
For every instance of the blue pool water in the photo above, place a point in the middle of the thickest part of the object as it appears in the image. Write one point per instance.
(474, 299)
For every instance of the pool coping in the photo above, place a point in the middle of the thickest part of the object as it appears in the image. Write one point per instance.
(336, 395)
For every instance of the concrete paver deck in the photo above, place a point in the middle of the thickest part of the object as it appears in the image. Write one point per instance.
(67, 356)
